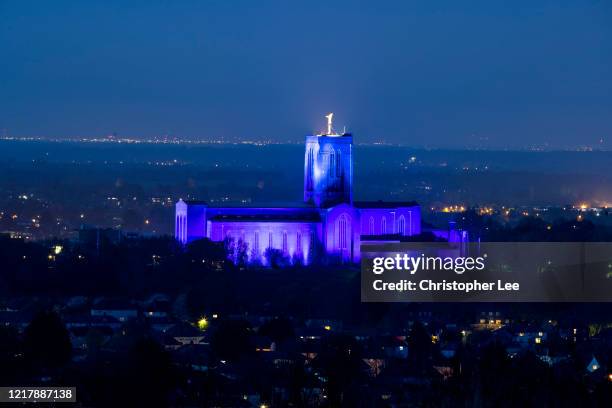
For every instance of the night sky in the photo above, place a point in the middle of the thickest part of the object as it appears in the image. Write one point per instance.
(438, 73)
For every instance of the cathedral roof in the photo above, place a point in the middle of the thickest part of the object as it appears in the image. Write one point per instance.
(384, 204)
(286, 217)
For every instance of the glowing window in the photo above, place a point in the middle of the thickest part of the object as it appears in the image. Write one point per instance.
(256, 242)
(285, 241)
(309, 169)
(343, 232)
(298, 243)
(401, 225)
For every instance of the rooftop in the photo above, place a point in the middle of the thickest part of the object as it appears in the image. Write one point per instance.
(384, 204)
(284, 217)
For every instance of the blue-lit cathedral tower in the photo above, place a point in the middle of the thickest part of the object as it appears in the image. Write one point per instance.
(328, 168)
(328, 218)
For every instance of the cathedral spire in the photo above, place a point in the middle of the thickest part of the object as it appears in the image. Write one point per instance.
(330, 118)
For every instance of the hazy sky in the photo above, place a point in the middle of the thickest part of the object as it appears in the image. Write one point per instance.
(433, 72)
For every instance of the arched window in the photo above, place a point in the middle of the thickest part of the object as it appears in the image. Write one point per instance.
(181, 229)
(311, 245)
(270, 242)
(332, 163)
(256, 242)
(338, 164)
(383, 226)
(285, 249)
(298, 243)
(371, 226)
(343, 232)
(309, 169)
(401, 225)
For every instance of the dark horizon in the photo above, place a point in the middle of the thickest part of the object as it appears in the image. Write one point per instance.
(480, 75)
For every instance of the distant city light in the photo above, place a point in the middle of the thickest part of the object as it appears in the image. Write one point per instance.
(453, 209)
(202, 323)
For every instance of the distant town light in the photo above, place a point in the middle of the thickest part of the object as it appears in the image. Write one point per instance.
(202, 323)
(327, 327)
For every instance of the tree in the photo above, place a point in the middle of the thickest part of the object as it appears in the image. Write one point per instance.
(150, 375)
(276, 258)
(9, 349)
(420, 347)
(232, 340)
(278, 329)
(241, 253)
(46, 341)
(207, 250)
(340, 361)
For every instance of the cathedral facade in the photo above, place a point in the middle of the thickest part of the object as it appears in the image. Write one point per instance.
(328, 223)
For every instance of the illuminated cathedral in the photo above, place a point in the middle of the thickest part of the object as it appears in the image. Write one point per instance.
(328, 223)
